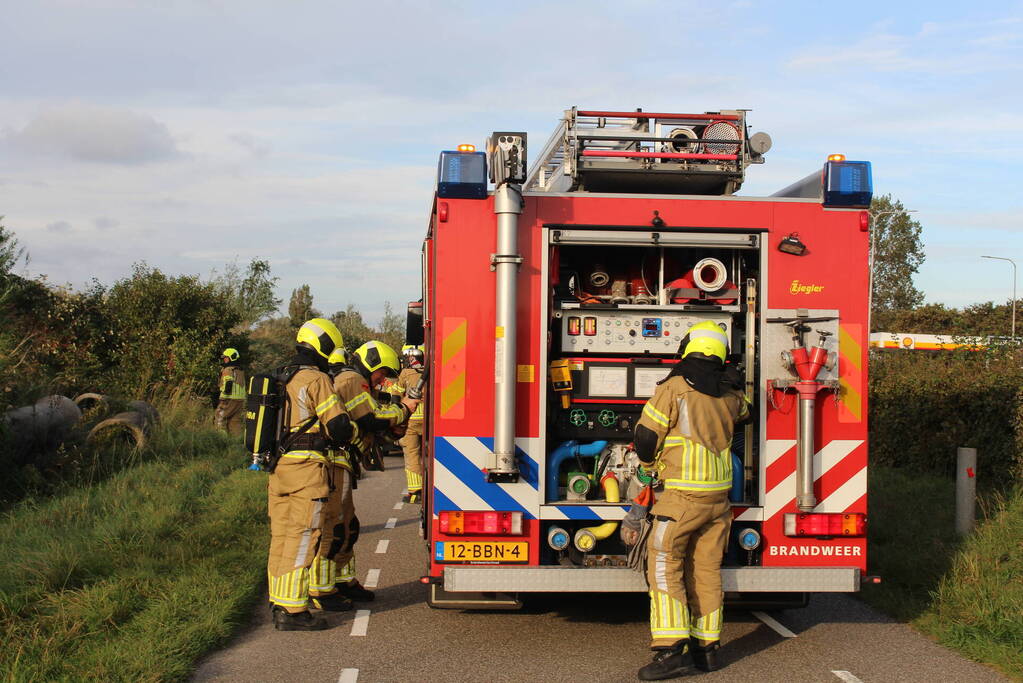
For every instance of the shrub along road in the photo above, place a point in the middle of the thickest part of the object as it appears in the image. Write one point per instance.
(556, 638)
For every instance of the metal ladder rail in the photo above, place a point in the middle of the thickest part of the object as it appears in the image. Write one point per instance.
(550, 161)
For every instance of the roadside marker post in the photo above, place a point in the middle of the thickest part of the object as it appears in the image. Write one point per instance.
(966, 490)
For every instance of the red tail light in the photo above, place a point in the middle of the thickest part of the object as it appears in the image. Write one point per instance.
(826, 524)
(490, 523)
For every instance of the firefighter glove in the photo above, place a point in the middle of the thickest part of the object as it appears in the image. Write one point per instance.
(632, 524)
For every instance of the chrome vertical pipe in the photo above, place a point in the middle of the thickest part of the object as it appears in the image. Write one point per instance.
(805, 499)
(507, 206)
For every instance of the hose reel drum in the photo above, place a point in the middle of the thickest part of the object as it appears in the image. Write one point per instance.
(710, 274)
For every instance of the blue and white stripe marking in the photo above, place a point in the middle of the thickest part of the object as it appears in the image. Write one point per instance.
(460, 484)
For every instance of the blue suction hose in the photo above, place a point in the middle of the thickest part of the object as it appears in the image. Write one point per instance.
(567, 450)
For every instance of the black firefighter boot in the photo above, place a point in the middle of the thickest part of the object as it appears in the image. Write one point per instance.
(353, 590)
(669, 662)
(705, 656)
(297, 621)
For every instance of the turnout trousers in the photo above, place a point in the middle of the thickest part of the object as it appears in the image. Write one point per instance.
(345, 532)
(684, 552)
(299, 505)
(230, 413)
(411, 445)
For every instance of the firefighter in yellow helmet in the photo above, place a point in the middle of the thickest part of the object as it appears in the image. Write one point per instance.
(685, 433)
(355, 385)
(300, 487)
(411, 442)
(231, 406)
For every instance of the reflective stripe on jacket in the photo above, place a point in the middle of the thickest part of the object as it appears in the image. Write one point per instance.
(408, 378)
(694, 435)
(232, 383)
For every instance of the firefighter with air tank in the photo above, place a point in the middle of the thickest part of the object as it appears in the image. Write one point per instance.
(685, 433)
(411, 443)
(302, 486)
(230, 407)
(356, 381)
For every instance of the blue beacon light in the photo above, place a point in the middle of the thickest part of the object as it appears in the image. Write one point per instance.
(847, 184)
(462, 174)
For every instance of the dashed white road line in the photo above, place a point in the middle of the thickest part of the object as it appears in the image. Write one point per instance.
(391, 522)
(847, 677)
(348, 676)
(397, 506)
(360, 624)
(772, 622)
(372, 578)
(382, 546)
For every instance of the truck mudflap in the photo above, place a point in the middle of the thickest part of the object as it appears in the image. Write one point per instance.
(621, 580)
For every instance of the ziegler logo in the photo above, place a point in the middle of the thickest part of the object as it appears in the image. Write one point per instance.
(798, 287)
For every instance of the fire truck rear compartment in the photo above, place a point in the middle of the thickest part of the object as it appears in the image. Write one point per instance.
(618, 314)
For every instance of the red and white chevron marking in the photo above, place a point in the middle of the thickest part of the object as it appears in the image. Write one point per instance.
(840, 478)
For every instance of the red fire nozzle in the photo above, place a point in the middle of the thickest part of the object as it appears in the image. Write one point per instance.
(808, 364)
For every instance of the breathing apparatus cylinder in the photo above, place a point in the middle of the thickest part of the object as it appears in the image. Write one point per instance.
(262, 420)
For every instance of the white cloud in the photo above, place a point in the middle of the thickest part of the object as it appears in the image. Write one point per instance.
(86, 132)
(284, 134)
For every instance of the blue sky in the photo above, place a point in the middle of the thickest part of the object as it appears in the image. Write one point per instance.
(307, 132)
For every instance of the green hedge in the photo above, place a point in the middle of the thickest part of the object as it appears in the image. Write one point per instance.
(923, 405)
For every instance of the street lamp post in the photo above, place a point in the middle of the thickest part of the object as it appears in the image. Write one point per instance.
(1002, 258)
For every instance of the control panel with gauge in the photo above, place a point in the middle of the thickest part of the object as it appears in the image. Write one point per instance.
(629, 331)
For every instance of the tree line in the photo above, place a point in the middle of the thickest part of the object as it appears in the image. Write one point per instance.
(150, 331)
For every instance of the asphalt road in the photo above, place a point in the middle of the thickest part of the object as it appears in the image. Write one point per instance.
(556, 638)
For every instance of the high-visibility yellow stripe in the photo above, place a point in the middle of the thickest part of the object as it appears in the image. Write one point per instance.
(340, 458)
(744, 409)
(452, 378)
(347, 572)
(849, 348)
(389, 412)
(327, 404)
(708, 627)
(291, 589)
(669, 617)
(359, 399)
(454, 342)
(688, 485)
(306, 455)
(655, 415)
(322, 575)
(452, 393)
(850, 380)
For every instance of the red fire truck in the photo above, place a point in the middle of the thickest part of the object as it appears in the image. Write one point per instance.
(555, 299)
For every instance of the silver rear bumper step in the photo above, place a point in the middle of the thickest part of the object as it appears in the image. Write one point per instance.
(618, 580)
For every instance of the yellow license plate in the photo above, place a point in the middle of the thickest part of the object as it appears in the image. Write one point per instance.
(489, 552)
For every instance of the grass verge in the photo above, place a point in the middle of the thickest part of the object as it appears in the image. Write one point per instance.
(137, 576)
(967, 594)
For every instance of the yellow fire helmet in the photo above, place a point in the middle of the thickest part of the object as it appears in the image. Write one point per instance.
(320, 335)
(374, 355)
(231, 354)
(338, 357)
(707, 338)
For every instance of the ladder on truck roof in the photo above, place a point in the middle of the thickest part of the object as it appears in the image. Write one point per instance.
(645, 152)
